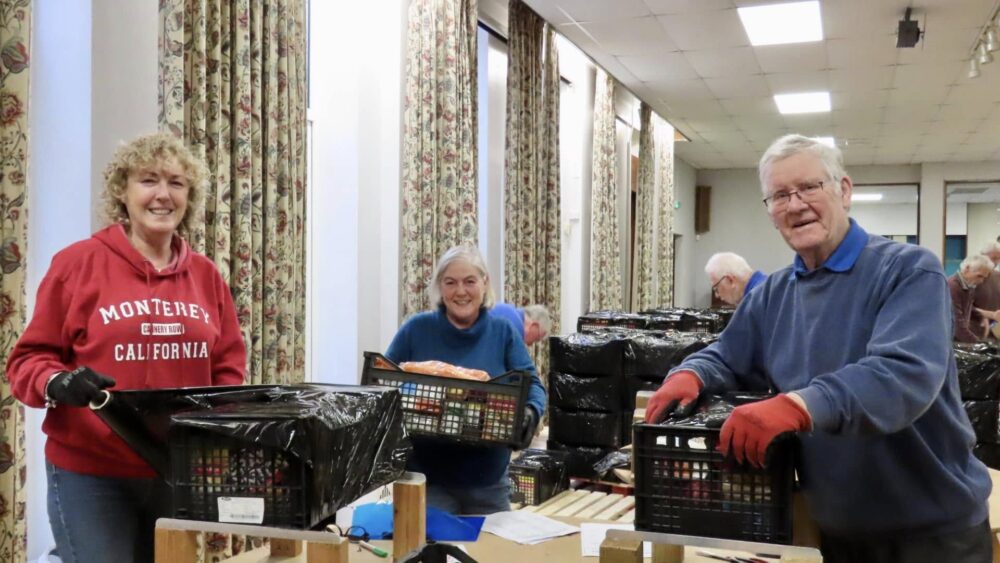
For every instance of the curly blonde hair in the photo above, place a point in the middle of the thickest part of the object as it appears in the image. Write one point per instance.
(144, 152)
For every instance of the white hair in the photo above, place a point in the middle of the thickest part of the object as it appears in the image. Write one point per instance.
(540, 315)
(791, 145)
(727, 264)
(464, 253)
(976, 262)
(991, 248)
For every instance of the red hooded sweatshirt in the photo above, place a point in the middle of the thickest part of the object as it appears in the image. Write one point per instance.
(104, 306)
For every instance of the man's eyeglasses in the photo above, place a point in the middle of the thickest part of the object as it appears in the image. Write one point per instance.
(806, 192)
(716, 285)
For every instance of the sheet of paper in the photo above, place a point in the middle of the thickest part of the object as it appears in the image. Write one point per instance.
(591, 536)
(526, 527)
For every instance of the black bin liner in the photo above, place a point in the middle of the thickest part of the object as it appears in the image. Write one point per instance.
(656, 353)
(597, 320)
(978, 374)
(333, 443)
(580, 460)
(688, 320)
(584, 392)
(537, 475)
(598, 353)
(985, 418)
(585, 428)
(988, 454)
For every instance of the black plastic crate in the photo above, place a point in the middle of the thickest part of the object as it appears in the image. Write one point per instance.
(259, 484)
(684, 486)
(536, 476)
(597, 320)
(488, 413)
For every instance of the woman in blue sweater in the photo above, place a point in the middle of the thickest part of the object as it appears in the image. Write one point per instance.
(466, 479)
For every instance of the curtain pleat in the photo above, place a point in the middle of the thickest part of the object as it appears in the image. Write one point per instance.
(531, 187)
(665, 206)
(439, 170)
(643, 266)
(15, 41)
(606, 289)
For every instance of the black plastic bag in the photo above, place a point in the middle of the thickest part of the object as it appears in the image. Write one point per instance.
(583, 392)
(580, 460)
(597, 320)
(988, 454)
(657, 352)
(585, 428)
(597, 353)
(978, 375)
(617, 458)
(985, 418)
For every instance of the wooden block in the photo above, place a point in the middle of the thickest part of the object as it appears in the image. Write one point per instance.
(175, 546)
(639, 415)
(642, 399)
(409, 512)
(621, 550)
(805, 532)
(995, 534)
(582, 503)
(326, 552)
(599, 506)
(562, 503)
(617, 509)
(286, 548)
(663, 553)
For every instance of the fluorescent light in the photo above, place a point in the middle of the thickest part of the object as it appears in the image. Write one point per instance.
(806, 102)
(777, 24)
(828, 141)
(866, 197)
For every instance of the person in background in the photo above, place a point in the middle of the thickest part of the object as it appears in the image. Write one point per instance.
(466, 479)
(533, 322)
(855, 338)
(963, 285)
(731, 277)
(986, 298)
(132, 307)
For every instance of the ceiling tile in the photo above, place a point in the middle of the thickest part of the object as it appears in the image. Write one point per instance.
(716, 123)
(680, 90)
(598, 10)
(698, 110)
(861, 78)
(802, 81)
(861, 52)
(792, 58)
(859, 99)
(636, 36)
(715, 63)
(688, 6)
(902, 113)
(748, 122)
(861, 116)
(694, 31)
(930, 93)
(957, 112)
(810, 124)
(913, 77)
(763, 105)
(738, 87)
(860, 18)
(654, 67)
(974, 92)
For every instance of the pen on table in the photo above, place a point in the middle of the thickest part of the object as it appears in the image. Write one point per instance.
(378, 552)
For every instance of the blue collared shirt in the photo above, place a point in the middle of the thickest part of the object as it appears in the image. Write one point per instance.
(843, 258)
(756, 279)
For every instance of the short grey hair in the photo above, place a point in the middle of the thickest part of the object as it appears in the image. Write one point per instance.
(463, 253)
(976, 262)
(791, 145)
(727, 264)
(540, 315)
(991, 248)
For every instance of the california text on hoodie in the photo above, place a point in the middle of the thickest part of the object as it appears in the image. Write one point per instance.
(103, 305)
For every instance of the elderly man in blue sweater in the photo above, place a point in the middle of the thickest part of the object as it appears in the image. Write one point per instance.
(856, 337)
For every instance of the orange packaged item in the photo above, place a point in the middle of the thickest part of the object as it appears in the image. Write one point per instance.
(444, 369)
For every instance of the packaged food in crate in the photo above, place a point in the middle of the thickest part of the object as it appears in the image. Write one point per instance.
(683, 485)
(474, 412)
(537, 475)
(286, 456)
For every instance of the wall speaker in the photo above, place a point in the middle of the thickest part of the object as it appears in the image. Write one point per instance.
(702, 208)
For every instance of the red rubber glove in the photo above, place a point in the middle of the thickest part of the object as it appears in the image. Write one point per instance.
(751, 428)
(676, 396)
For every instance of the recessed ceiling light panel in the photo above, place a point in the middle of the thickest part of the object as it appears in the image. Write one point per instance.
(779, 24)
(804, 102)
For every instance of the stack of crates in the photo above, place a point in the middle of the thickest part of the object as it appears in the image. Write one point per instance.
(536, 476)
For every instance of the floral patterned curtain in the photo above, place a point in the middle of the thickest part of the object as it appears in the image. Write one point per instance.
(605, 271)
(643, 268)
(233, 86)
(15, 28)
(665, 221)
(439, 141)
(531, 196)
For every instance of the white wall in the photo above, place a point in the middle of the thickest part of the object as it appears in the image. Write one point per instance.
(684, 184)
(353, 223)
(934, 176)
(492, 154)
(983, 225)
(957, 218)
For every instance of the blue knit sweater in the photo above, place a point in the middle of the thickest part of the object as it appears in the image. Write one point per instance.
(865, 340)
(492, 345)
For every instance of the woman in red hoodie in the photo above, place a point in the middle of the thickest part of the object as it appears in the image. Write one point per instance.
(132, 307)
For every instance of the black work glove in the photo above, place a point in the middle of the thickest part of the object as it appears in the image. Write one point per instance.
(77, 388)
(528, 430)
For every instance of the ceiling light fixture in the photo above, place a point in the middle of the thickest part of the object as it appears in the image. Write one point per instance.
(778, 24)
(805, 102)
(866, 197)
(986, 41)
